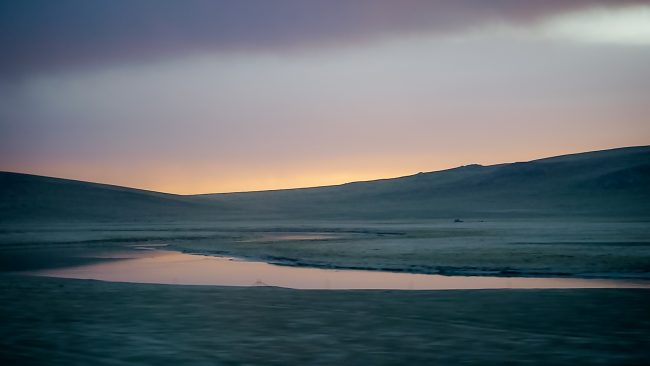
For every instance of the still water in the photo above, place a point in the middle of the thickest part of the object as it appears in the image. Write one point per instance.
(169, 267)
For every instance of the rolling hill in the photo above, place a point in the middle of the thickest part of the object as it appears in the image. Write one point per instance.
(31, 198)
(602, 183)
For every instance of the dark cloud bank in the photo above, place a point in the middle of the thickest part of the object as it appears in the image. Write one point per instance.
(43, 35)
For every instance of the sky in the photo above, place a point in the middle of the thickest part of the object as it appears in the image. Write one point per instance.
(220, 96)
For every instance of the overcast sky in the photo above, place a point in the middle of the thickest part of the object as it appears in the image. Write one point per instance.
(217, 96)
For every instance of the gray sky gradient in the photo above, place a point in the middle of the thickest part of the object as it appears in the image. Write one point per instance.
(204, 96)
(45, 35)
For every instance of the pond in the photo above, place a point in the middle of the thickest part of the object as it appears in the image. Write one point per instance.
(170, 267)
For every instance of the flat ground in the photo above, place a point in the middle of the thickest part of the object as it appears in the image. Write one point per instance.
(601, 248)
(67, 322)
(74, 322)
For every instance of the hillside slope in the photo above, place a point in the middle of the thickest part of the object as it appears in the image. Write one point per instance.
(25, 197)
(602, 183)
(609, 182)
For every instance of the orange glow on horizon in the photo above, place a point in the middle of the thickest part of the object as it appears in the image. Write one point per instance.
(207, 177)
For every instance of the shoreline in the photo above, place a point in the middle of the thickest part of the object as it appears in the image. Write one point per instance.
(415, 269)
(152, 265)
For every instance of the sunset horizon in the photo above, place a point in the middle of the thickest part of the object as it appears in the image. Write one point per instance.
(312, 183)
(193, 102)
(324, 182)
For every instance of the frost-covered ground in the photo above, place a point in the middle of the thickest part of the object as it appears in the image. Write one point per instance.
(598, 248)
(49, 321)
(62, 322)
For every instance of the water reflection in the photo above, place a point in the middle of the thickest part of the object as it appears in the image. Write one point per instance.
(168, 267)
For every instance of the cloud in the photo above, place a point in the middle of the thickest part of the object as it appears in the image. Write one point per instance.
(43, 35)
(629, 25)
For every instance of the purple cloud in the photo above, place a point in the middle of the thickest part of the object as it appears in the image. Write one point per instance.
(42, 35)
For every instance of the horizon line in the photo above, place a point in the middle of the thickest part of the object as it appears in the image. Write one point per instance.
(323, 186)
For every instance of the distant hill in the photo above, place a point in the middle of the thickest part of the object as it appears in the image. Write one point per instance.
(28, 198)
(601, 183)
